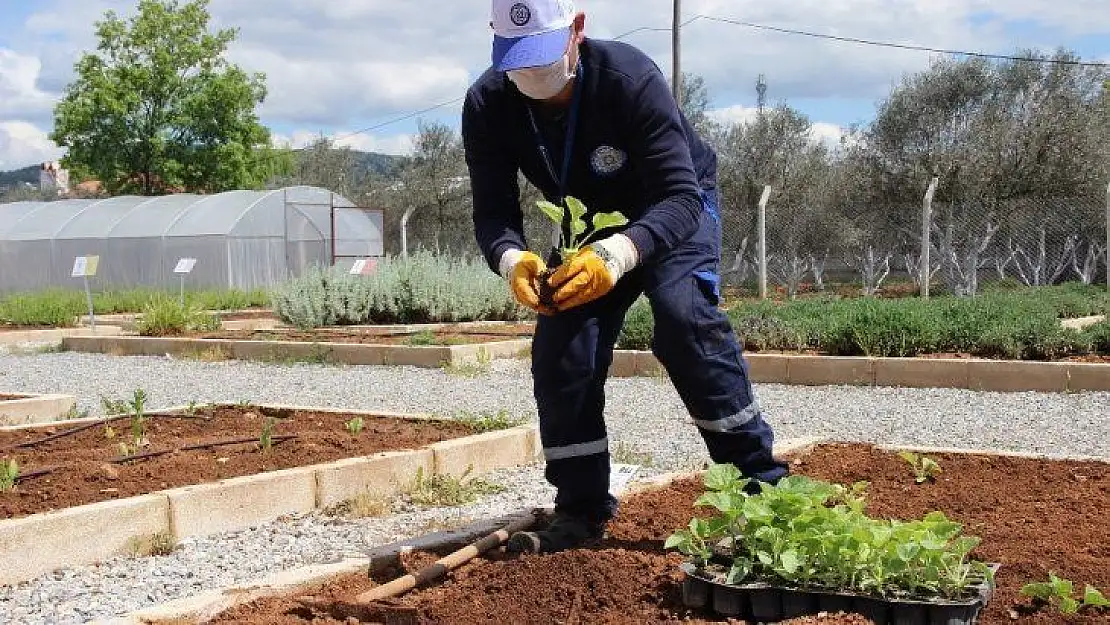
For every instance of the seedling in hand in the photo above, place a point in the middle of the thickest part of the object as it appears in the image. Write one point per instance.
(579, 231)
(9, 473)
(924, 468)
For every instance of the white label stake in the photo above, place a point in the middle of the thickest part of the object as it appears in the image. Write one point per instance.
(184, 267)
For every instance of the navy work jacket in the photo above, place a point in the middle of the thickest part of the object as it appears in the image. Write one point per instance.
(633, 152)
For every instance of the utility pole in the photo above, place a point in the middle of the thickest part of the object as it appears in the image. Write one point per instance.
(676, 51)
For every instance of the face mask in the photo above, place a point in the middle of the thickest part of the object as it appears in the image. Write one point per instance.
(541, 83)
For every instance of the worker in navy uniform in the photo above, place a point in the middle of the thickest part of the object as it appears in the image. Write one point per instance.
(596, 120)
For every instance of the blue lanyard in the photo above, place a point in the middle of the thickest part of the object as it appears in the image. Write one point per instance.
(572, 124)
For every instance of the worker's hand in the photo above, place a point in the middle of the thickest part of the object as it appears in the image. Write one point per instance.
(524, 271)
(593, 271)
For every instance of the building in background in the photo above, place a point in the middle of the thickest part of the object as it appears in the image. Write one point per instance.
(53, 179)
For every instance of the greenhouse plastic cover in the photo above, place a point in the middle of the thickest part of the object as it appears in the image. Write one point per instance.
(241, 239)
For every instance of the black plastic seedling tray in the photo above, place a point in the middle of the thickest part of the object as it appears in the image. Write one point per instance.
(767, 603)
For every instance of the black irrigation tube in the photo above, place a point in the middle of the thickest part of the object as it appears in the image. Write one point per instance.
(236, 441)
(89, 426)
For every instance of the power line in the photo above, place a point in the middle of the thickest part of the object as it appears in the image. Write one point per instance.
(889, 44)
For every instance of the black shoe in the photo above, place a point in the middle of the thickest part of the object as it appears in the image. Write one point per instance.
(564, 532)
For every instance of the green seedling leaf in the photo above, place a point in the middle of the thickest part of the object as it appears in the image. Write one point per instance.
(740, 570)
(716, 499)
(609, 220)
(721, 476)
(553, 212)
(577, 227)
(679, 540)
(576, 207)
(1069, 605)
(1092, 597)
(791, 561)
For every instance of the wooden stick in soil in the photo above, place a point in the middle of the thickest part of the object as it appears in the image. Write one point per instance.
(428, 574)
(237, 441)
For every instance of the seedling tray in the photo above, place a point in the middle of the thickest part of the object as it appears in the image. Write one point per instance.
(768, 603)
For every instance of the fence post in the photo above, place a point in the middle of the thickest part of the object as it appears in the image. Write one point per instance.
(763, 241)
(405, 230)
(926, 267)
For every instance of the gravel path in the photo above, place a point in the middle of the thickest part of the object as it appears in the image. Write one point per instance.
(645, 416)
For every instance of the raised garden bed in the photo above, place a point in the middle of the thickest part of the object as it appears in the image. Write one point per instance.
(434, 346)
(21, 408)
(205, 469)
(1034, 515)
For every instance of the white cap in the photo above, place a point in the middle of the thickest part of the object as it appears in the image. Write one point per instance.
(530, 33)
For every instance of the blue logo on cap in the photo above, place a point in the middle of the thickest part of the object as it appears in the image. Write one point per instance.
(520, 14)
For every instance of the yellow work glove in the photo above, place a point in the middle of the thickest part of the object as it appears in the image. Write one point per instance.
(593, 271)
(524, 271)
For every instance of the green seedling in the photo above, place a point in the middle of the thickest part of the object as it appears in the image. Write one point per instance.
(578, 228)
(137, 407)
(1058, 591)
(266, 439)
(803, 533)
(191, 409)
(924, 468)
(354, 426)
(9, 473)
(483, 422)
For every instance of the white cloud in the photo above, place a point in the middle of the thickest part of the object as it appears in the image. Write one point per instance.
(737, 114)
(400, 144)
(23, 144)
(20, 97)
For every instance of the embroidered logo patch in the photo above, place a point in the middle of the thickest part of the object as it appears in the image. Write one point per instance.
(520, 14)
(607, 160)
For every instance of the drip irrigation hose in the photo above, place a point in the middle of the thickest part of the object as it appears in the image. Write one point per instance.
(33, 474)
(440, 568)
(91, 425)
(237, 441)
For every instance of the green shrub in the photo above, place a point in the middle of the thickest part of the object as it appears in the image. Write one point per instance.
(54, 308)
(1098, 336)
(420, 288)
(639, 327)
(165, 316)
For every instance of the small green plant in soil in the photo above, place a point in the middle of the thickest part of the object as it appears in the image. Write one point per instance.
(354, 426)
(445, 490)
(574, 212)
(9, 474)
(159, 544)
(924, 467)
(423, 338)
(136, 409)
(1059, 592)
(482, 422)
(806, 533)
(266, 439)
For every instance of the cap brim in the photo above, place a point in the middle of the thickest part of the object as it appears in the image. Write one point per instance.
(530, 51)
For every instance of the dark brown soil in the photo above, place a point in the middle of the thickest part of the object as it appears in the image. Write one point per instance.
(1033, 516)
(451, 335)
(83, 471)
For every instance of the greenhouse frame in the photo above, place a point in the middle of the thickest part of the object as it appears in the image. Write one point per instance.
(240, 239)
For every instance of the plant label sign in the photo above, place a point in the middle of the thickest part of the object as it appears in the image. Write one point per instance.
(364, 267)
(619, 477)
(85, 266)
(185, 265)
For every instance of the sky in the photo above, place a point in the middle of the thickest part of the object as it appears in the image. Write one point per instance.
(337, 67)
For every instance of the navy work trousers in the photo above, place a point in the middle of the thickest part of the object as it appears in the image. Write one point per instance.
(572, 351)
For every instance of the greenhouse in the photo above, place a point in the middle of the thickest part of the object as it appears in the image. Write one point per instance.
(240, 239)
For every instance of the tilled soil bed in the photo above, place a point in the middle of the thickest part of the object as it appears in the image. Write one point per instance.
(450, 335)
(1034, 516)
(85, 467)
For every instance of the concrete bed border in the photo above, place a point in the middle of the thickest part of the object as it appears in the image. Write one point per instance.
(37, 544)
(429, 356)
(32, 408)
(55, 335)
(206, 606)
(970, 373)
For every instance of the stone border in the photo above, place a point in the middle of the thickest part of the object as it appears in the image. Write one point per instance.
(55, 335)
(430, 356)
(28, 408)
(37, 544)
(971, 373)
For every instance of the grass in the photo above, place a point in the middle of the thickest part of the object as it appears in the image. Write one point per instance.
(165, 316)
(1011, 324)
(362, 506)
(160, 544)
(443, 490)
(482, 422)
(62, 308)
(625, 453)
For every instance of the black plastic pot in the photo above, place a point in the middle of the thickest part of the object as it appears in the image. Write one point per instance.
(767, 603)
